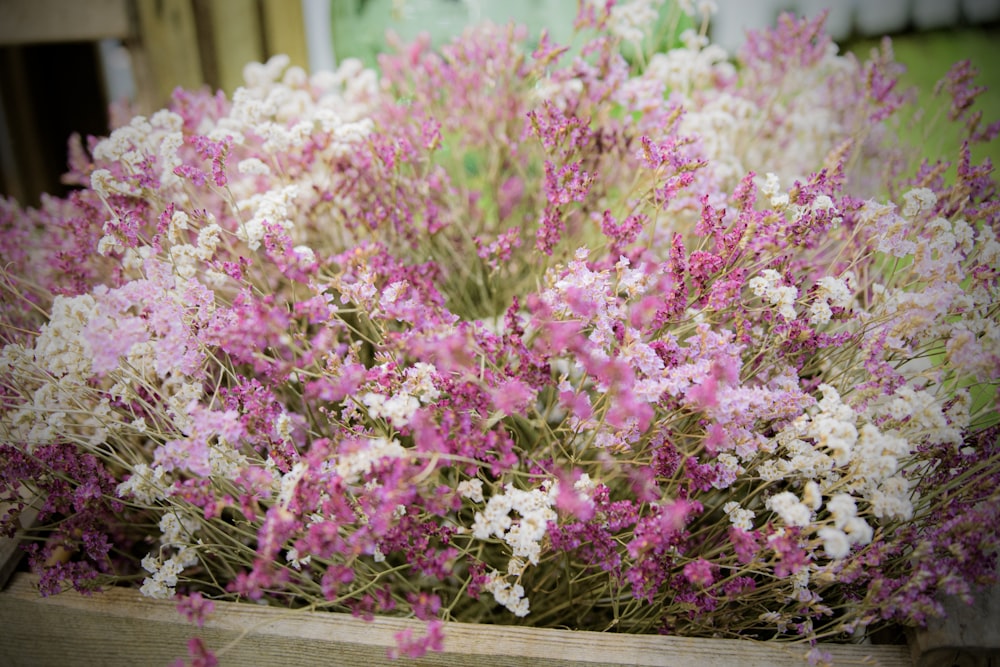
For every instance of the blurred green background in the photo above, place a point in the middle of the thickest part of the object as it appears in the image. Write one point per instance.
(928, 57)
(359, 28)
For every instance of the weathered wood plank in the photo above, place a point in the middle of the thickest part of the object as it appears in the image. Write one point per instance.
(38, 21)
(119, 627)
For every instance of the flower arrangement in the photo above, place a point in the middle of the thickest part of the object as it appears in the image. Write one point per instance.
(661, 344)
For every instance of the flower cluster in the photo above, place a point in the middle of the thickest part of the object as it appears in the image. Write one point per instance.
(673, 343)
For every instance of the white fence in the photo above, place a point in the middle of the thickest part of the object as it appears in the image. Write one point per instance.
(867, 18)
(359, 25)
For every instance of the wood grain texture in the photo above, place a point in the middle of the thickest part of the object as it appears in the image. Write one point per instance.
(39, 21)
(285, 31)
(169, 55)
(119, 627)
(236, 39)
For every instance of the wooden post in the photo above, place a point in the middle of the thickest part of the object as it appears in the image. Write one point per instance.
(284, 30)
(236, 39)
(169, 55)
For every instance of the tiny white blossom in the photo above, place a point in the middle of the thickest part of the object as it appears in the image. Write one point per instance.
(351, 467)
(768, 287)
(253, 165)
(177, 529)
(812, 496)
(419, 382)
(842, 507)
(289, 482)
(471, 489)
(739, 516)
(918, 200)
(295, 559)
(146, 484)
(858, 531)
(835, 542)
(787, 506)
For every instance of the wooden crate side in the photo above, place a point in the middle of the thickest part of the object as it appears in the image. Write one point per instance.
(40, 21)
(120, 627)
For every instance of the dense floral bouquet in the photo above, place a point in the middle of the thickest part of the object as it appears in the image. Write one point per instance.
(497, 334)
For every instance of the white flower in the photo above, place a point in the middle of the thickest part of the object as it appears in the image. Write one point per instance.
(842, 508)
(520, 538)
(516, 567)
(283, 427)
(771, 188)
(209, 238)
(819, 313)
(509, 595)
(61, 348)
(351, 467)
(525, 502)
(398, 409)
(108, 244)
(155, 589)
(164, 574)
(835, 435)
(918, 200)
(892, 500)
(304, 254)
(273, 206)
(773, 470)
(771, 185)
(630, 20)
(177, 529)
(740, 517)
(523, 535)
(296, 560)
(787, 506)
(254, 166)
(835, 542)
(494, 519)
(150, 563)
(584, 484)
(878, 454)
(471, 489)
(812, 497)
(419, 382)
(822, 203)
(146, 484)
(858, 531)
(768, 287)
(830, 291)
(289, 481)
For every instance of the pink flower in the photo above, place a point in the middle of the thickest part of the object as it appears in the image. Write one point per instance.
(700, 572)
(195, 607)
